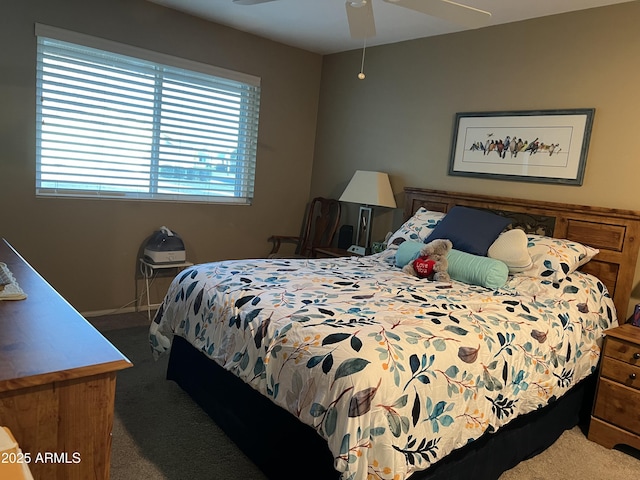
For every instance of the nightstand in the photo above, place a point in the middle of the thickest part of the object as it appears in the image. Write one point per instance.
(616, 413)
(325, 252)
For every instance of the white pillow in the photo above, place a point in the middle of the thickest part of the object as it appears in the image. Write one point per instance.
(417, 228)
(555, 258)
(511, 248)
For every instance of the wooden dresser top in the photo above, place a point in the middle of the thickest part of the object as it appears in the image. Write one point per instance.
(626, 332)
(43, 339)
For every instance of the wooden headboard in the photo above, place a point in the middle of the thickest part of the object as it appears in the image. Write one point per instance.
(614, 232)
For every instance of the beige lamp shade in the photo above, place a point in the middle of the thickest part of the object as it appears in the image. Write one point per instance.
(369, 188)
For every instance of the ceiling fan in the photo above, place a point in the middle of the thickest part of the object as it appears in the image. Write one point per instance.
(362, 24)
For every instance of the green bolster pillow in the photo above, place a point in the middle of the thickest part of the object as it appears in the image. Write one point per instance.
(476, 270)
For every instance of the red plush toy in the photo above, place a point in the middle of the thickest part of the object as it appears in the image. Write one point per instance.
(424, 266)
(430, 261)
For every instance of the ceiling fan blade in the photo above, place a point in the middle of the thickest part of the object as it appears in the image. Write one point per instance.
(360, 18)
(250, 2)
(447, 10)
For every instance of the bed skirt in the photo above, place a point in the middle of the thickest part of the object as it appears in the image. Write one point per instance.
(284, 448)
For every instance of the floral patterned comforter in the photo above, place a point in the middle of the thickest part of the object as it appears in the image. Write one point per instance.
(393, 371)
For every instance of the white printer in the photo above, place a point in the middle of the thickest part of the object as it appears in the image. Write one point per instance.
(165, 246)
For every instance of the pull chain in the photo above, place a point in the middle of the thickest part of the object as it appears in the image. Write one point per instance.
(361, 75)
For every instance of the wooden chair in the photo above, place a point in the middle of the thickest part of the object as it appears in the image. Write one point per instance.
(320, 227)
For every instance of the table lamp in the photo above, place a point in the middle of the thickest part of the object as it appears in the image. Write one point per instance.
(369, 189)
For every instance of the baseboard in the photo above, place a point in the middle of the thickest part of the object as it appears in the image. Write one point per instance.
(115, 311)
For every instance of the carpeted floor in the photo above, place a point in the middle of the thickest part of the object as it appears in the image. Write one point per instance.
(160, 433)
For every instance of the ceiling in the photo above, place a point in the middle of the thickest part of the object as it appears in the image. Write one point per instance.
(321, 25)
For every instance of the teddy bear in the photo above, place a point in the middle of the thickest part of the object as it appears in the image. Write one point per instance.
(428, 260)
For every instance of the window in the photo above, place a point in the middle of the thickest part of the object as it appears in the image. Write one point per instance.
(122, 122)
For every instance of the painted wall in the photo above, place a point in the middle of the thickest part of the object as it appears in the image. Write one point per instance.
(87, 249)
(400, 118)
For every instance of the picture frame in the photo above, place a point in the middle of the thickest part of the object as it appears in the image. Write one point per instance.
(545, 146)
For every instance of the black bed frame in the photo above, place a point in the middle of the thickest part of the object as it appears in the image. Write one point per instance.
(286, 449)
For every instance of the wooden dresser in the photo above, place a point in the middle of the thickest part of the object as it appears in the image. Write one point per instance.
(57, 380)
(616, 413)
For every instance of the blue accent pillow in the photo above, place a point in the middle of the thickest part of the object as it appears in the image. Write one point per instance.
(407, 252)
(470, 230)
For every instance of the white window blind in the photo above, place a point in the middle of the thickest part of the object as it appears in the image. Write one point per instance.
(142, 126)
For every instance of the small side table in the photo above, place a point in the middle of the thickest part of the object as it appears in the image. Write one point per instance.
(148, 270)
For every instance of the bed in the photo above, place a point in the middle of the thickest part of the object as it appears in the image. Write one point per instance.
(350, 368)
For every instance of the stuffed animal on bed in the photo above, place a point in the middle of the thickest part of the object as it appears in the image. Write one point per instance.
(425, 260)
